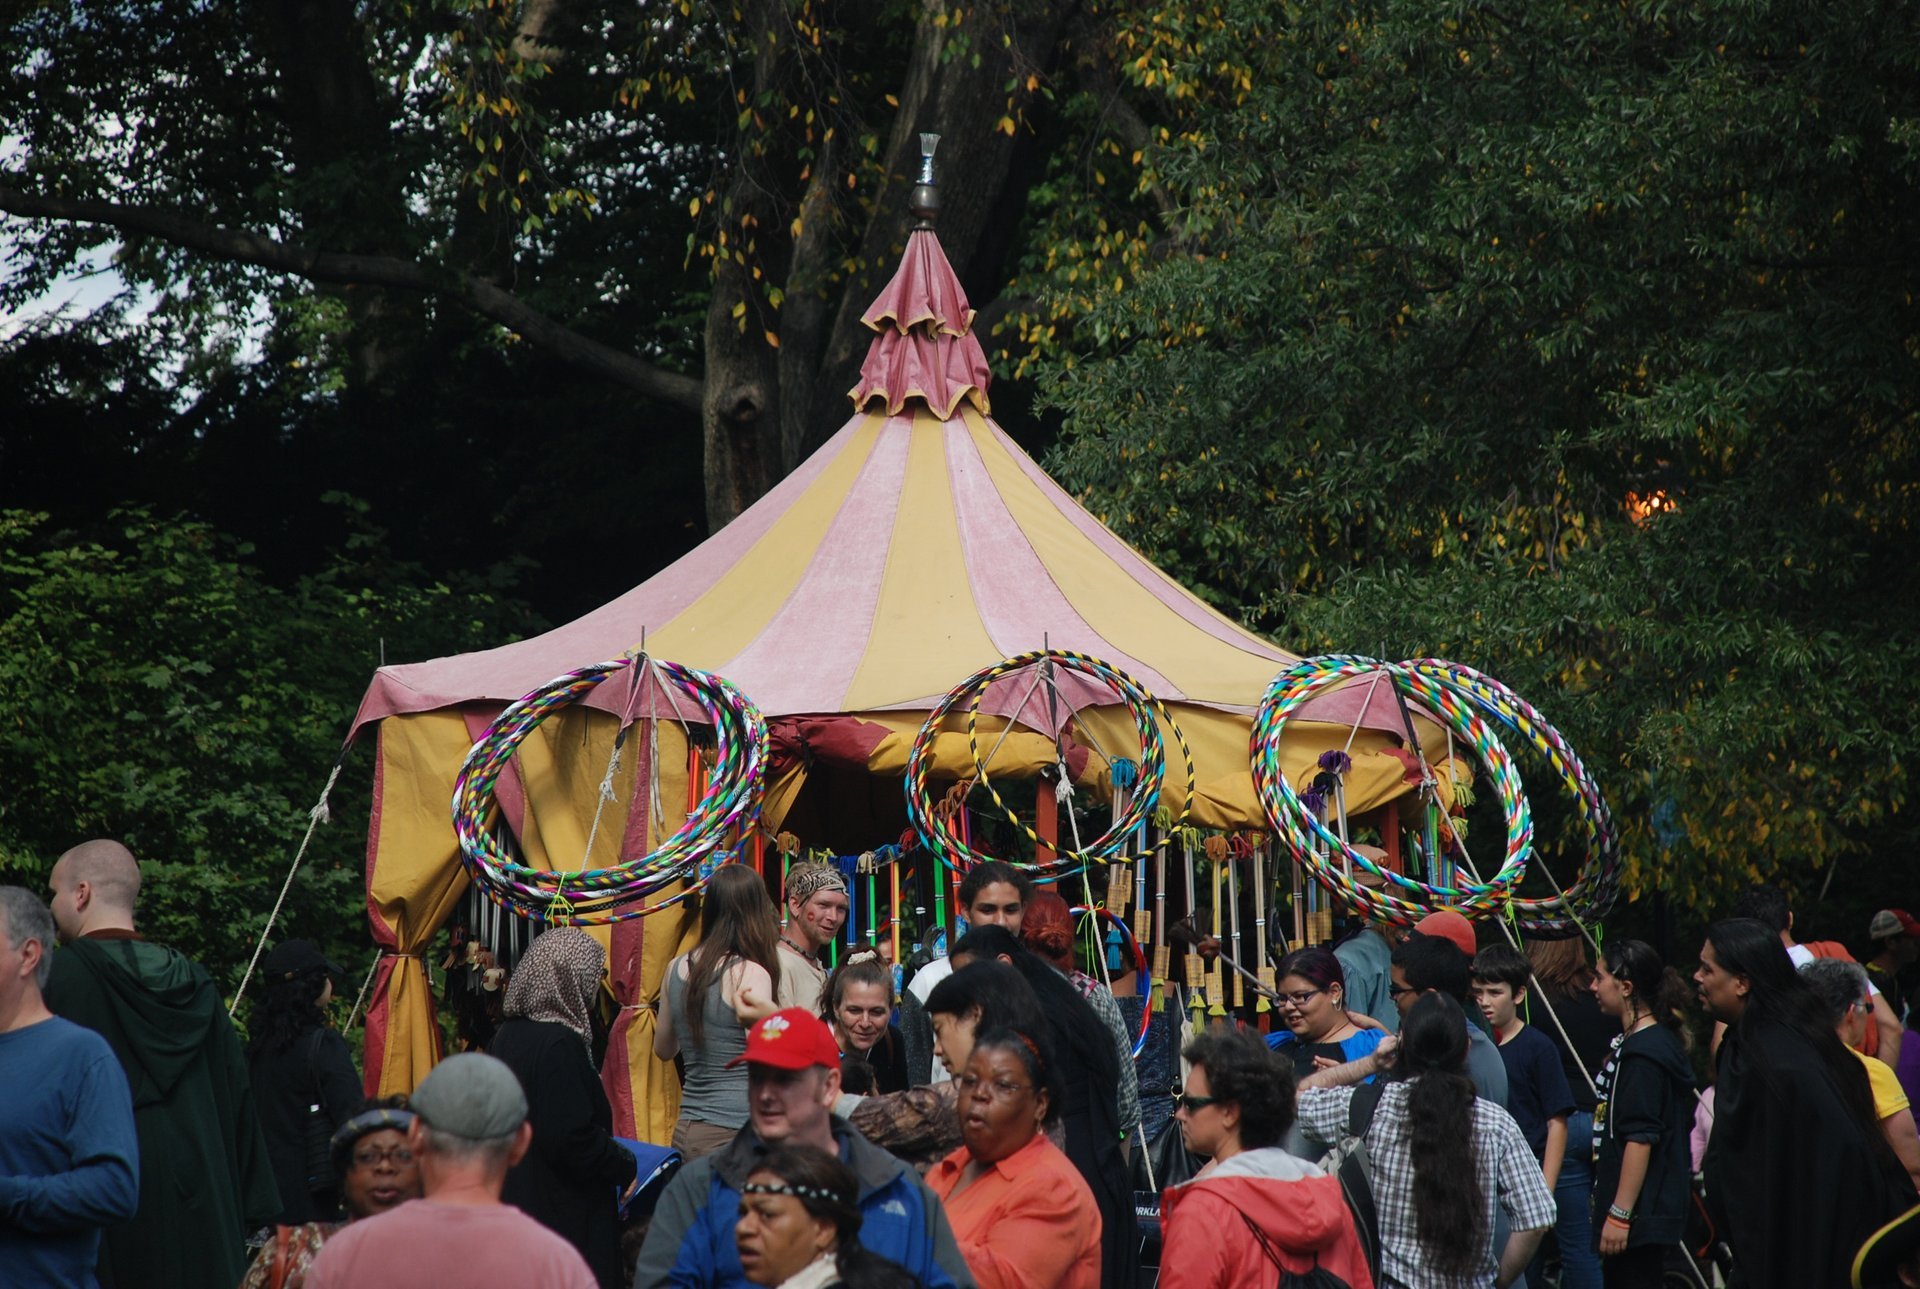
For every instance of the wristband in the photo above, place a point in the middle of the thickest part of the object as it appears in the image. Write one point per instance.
(1618, 1214)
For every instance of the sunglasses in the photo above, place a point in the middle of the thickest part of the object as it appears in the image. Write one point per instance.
(1193, 1104)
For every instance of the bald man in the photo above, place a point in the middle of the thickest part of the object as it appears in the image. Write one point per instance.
(205, 1179)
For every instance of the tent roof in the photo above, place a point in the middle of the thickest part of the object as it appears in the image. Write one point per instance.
(918, 545)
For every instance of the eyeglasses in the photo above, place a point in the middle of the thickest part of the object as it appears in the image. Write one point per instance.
(998, 1089)
(1394, 991)
(1193, 1104)
(399, 1156)
(1300, 998)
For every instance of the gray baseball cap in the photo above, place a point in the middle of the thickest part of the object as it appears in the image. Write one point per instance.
(471, 1096)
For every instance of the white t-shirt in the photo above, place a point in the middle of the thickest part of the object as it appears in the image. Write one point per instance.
(920, 987)
(1800, 956)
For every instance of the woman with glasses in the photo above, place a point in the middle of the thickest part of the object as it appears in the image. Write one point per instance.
(1021, 1213)
(1320, 1032)
(1255, 1210)
(376, 1171)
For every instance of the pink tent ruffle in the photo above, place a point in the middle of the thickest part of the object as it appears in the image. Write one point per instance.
(925, 346)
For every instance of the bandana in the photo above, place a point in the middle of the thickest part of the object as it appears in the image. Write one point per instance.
(804, 881)
(556, 980)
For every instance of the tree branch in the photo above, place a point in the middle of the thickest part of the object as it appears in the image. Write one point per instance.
(333, 268)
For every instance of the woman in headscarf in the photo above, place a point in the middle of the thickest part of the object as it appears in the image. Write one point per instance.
(571, 1176)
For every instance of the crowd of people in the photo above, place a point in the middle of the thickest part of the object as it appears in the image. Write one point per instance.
(1428, 1112)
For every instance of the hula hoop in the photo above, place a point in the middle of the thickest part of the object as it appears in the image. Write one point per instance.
(601, 896)
(1149, 716)
(1300, 828)
(1595, 887)
(1139, 965)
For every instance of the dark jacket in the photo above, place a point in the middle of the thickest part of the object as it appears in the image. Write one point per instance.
(574, 1170)
(205, 1181)
(690, 1244)
(1794, 1181)
(316, 1069)
(1650, 1101)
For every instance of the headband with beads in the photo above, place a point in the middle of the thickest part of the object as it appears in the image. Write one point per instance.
(815, 1193)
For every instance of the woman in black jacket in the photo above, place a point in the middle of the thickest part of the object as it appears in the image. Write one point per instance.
(571, 1176)
(303, 1080)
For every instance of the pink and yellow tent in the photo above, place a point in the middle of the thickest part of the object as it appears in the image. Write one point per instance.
(918, 545)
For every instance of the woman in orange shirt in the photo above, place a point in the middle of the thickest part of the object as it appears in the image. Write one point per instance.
(1022, 1215)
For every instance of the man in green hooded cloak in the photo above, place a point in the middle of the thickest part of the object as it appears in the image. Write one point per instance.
(205, 1180)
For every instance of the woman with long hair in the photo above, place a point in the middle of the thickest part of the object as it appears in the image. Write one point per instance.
(1021, 1213)
(712, 996)
(1312, 1003)
(1797, 1170)
(303, 1079)
(858, 1005)
(799, 1226)
(1642, 1172)
(569, 1178)
(1442, 1158)
(1255, 1211)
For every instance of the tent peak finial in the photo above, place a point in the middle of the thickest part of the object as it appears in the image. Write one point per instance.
(924, 200)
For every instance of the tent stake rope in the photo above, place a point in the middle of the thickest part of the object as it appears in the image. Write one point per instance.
(365, 985)
(315, 817)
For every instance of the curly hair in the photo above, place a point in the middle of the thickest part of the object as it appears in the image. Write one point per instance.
(288, 1010)
(1240, 1069)
(1449, 1204)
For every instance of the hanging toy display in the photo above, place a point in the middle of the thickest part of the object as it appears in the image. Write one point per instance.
(726, 811)
(1153, 722)
(1595, 886)
(1326, 856)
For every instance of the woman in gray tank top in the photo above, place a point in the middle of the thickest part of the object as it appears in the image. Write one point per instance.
(712, 994)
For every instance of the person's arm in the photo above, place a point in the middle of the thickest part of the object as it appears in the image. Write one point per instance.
(1195, 1249)
(1556, 1152)
(673, 1219)
(341, 1090)
(1890, 1030)
(913, 1124)
(1360, 1021)
(1634, 1157)
(569, 1135)
(666, 1043)
(102, 1186)
(1516, 1254)
(1905, 1141)
(749, 991)
(1380, 1058)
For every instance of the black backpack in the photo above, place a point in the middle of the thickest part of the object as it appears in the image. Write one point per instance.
(1350, 1161)
(1318, 1277)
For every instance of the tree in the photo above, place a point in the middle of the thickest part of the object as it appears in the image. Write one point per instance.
(1576, 343)
(162, 692)
(405, 186)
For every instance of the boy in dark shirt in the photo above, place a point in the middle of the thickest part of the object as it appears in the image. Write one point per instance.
(1537, 1093)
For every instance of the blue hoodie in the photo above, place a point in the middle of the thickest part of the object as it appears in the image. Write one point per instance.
(690, 1243)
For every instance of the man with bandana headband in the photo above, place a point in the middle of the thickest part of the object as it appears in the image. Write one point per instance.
(816, 911)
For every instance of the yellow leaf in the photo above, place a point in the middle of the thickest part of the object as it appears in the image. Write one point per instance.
(773, 341)
(693, 207)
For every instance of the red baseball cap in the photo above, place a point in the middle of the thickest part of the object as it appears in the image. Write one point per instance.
(793, 1039)
(1448, 925)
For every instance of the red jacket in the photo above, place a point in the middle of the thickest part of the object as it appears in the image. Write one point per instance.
(1206, 1244)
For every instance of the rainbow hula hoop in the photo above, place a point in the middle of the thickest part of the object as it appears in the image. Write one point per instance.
(1597, 884)
(600, 896)
(1149, 716)
(1403, 900)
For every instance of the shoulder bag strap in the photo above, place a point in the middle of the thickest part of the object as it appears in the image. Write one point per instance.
(278, 1278)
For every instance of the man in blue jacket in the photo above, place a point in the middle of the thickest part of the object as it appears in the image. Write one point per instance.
(793, 1079)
